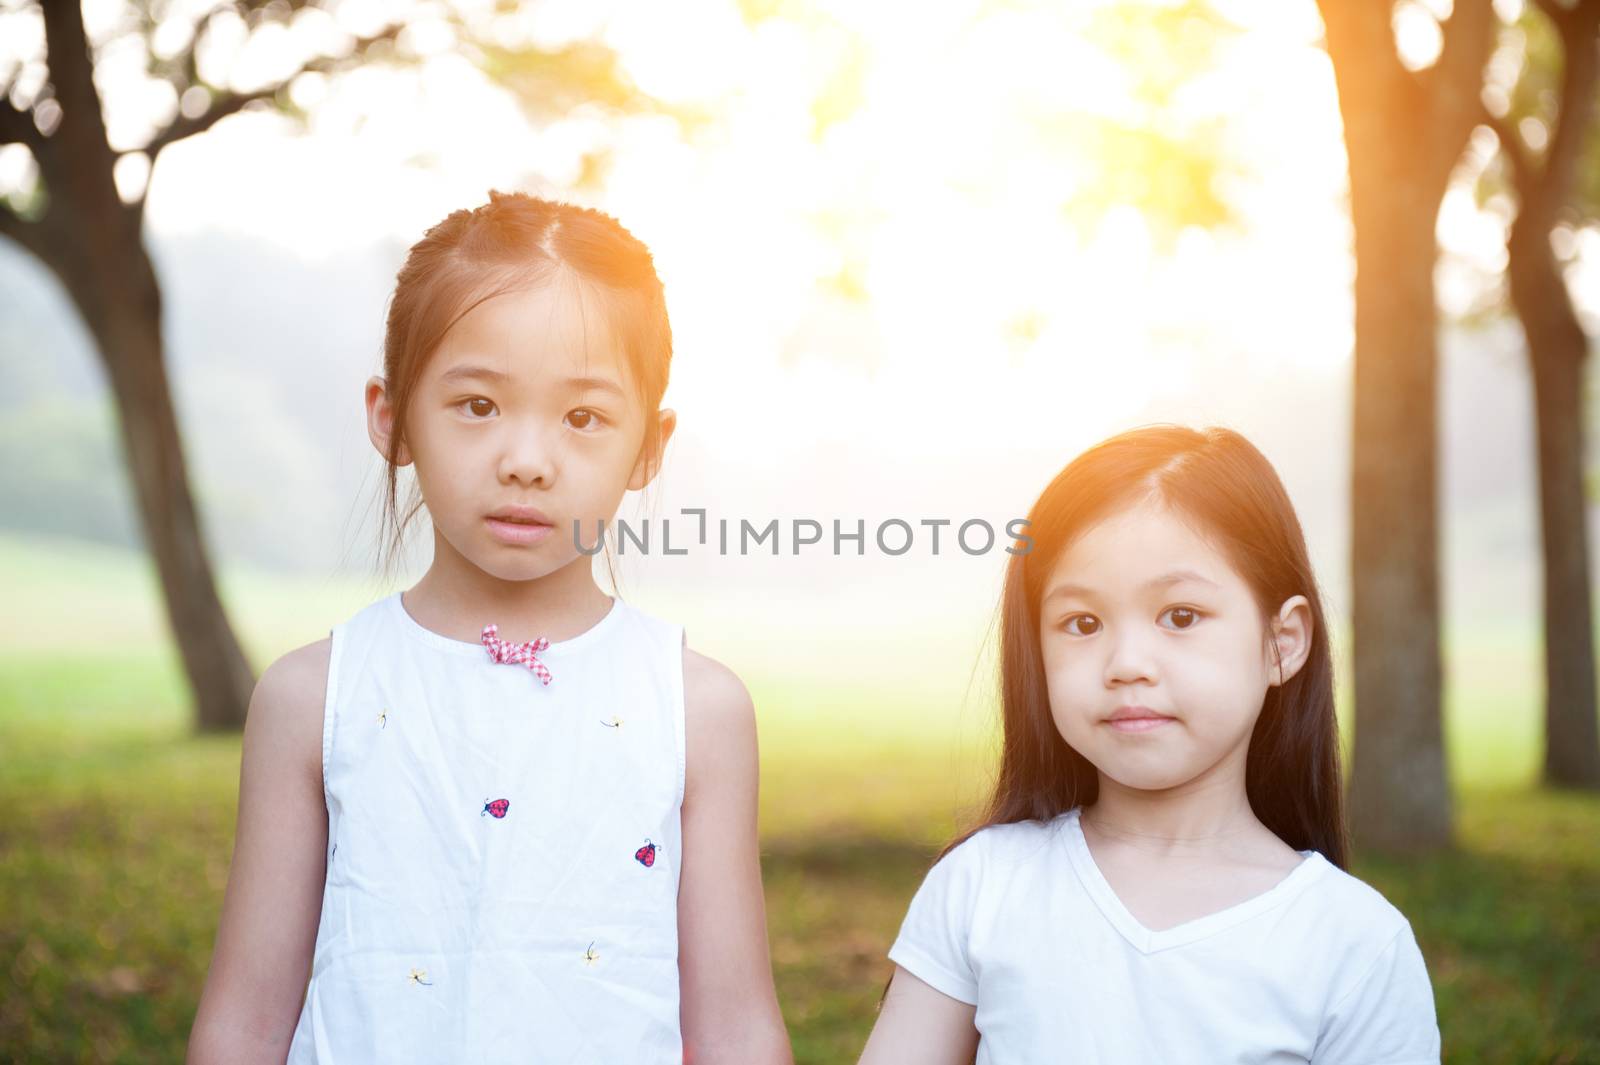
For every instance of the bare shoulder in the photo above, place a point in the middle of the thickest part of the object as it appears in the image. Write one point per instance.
(296, 683)
(286, 707)
(720, 722)
(301, 673)
(714, 693)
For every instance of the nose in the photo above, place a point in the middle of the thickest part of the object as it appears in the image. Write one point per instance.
(528, 456)
(1130, 658)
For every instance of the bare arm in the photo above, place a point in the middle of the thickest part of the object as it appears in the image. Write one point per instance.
(728, 1008)
(262, 960)
(920, 1024)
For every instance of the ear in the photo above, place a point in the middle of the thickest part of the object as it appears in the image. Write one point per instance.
(380, 421)
(1289, 644)
(648, 464)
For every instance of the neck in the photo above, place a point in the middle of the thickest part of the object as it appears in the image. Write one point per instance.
(457, 598)
(1199, 813)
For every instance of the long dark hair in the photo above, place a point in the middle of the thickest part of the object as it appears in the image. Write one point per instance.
(513, 241)
(1217, 479)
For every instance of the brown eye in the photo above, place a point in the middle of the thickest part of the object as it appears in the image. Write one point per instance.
(476, 407)
(1082, 625)
(582, 418)
(1183, 617)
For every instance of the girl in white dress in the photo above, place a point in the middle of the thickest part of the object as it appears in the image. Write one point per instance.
(503, 817)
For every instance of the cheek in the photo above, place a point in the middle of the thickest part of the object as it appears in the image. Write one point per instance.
(447, 470)
(1222, 687)
(614, 451)
(438, 449)
(1071, 683)
(442, 493)
(602, 464)
(608, 454)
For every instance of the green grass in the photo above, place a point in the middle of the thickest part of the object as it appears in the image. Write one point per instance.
(116, 826)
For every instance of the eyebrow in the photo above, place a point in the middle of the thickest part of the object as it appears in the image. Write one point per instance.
(1177, 576)
(570, 384)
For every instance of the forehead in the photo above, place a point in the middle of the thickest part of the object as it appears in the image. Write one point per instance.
(553, 329)
(1140, 547)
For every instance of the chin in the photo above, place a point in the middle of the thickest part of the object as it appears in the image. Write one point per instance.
(1146, 777)
(528, 570)
(1152, 783)
(512, 564)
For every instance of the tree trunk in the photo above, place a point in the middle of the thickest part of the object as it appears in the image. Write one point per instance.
(1403, 133)
(1557, 347)
(94, 244)
(1399, 789)
(127, 331)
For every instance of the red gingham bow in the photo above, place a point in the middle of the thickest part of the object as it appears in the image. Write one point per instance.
(514, 653)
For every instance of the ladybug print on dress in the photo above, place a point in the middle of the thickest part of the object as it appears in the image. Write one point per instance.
(646, 855)
(497, 808)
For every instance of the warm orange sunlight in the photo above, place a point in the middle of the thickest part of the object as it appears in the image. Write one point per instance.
(918, 244)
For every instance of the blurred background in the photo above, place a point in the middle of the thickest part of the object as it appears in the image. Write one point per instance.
(916, 257)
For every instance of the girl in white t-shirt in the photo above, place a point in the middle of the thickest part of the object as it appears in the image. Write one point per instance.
(1159, 876)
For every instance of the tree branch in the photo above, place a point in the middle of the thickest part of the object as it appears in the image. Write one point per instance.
(16, 127)
(1575, 110)
(187, 62)
(1358, 36)
(221, 107)
(1370, 79)
(76, 168)
(229, 103)
(1525, 175)
(1454, 84)
(28, 234)
(1562, 17)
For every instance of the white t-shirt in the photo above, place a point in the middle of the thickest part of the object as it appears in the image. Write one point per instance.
(1019, 922)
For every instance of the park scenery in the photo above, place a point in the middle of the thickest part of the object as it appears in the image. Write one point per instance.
(916, 258)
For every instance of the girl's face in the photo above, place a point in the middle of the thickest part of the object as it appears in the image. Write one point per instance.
(1156, 654)
(526, 404)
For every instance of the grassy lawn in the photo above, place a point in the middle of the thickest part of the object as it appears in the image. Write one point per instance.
(116, 826)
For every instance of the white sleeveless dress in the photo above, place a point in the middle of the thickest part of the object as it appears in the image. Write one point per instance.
(503, 855)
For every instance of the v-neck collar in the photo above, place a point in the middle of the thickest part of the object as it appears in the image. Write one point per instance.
(1149, 942)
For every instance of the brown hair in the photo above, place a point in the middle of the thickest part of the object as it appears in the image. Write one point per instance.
(513, 242)
(1217, 479)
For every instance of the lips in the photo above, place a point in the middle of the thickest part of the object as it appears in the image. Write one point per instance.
(1134, 713)
(520, 515)
(519, 526)
(1137, 719)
